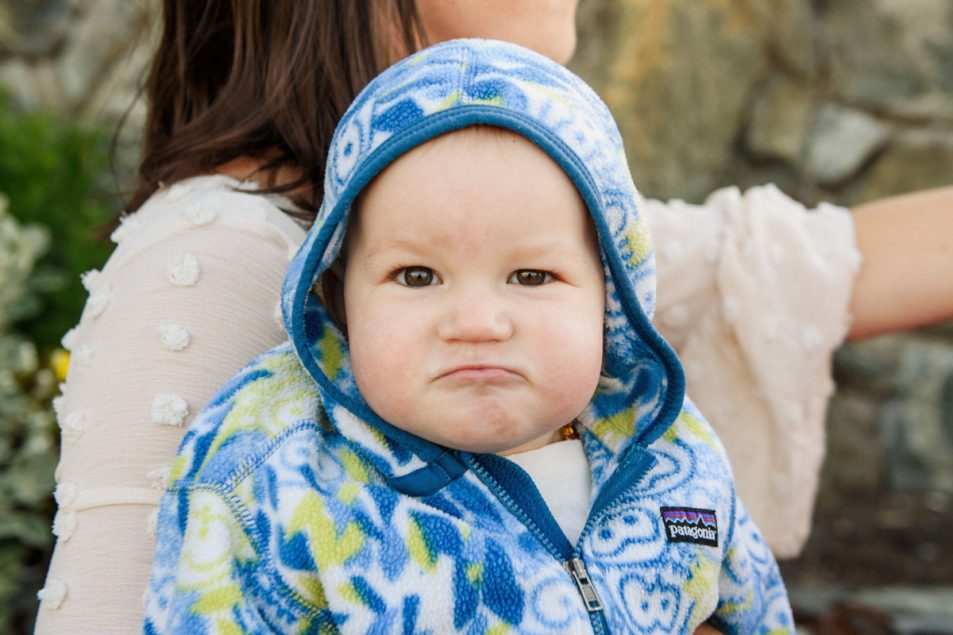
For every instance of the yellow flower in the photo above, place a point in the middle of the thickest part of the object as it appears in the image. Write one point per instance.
(59, 362)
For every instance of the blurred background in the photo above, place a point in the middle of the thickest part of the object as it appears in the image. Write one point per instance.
(832, 100)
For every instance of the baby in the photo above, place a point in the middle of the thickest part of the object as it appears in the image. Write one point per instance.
(475, 427)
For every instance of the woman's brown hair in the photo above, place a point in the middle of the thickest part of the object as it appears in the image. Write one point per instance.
(266, 79)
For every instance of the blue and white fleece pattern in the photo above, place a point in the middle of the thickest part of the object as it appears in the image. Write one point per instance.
(293, 508)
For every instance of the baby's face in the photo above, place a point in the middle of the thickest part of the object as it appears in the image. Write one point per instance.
(474, 294)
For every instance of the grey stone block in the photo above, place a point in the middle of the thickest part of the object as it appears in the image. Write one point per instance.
(843, 139)
(895, 56)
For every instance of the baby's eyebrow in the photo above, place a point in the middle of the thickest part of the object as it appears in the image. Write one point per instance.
(550, 248)
(523, 248)
(391, 243)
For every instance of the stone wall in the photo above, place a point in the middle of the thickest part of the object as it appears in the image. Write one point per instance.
(838, 100)
(842, 100)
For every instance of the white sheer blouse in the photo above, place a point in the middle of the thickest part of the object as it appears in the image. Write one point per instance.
(753, 292)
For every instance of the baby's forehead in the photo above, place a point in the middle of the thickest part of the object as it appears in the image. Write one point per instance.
(469, 182)
(465, 148)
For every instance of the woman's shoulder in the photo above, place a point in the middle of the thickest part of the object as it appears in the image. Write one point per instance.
(199, 266)
(209, 204)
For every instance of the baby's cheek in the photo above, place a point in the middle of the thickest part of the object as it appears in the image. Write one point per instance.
(371, 339)
(385, 363)
(576, 366)
(572, 389)
(364, 361)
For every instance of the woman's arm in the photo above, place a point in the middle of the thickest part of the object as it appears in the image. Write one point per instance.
(906, 279)
(157, 335)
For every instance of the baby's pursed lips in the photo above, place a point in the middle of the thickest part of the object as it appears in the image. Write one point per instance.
(478, 371)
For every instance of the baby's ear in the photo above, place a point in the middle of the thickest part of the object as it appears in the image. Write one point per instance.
(332, 288)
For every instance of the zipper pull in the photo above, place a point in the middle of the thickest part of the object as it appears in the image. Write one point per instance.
(577, 569)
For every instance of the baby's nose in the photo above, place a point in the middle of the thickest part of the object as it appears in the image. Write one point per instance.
(476, 319)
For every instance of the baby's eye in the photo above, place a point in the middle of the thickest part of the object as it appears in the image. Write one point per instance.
(530, 277)
(417, 277)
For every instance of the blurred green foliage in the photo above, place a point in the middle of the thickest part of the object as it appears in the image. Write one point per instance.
(56, 173)
(28, 439)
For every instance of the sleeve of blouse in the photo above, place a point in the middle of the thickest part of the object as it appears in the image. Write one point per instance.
(187, 298)
(753, 293)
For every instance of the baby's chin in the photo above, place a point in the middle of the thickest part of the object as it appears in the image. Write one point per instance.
(481, 426)
(492, 440)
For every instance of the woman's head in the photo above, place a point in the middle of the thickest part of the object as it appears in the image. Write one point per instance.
(269, 79)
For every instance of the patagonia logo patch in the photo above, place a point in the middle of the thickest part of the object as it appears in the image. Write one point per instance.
(689, 524)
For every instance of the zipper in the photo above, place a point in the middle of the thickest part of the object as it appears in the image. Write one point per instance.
(572, 563)
(577, 569)
(629, 473)
(626, 476)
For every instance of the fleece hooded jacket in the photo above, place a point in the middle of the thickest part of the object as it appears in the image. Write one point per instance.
(293, 508)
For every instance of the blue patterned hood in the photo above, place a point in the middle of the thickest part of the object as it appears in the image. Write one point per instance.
(480, 82)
